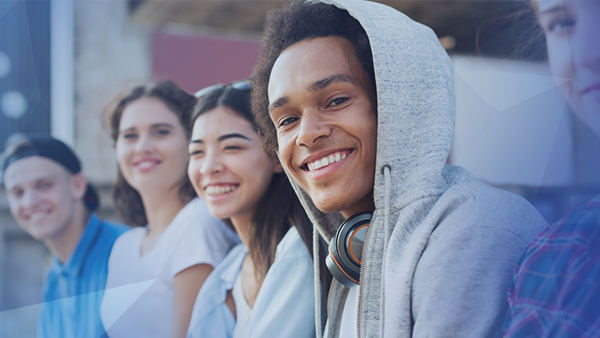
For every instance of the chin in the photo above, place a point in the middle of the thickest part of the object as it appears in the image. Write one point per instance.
(218, 212)
(327, 206)
(42, 234)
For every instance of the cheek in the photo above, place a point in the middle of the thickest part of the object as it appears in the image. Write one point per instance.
(14, 206)
(122, 152)
(58, 194)
(559, 57)
(193, 171)
(285, 148)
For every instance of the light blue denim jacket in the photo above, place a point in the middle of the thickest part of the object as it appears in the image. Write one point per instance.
(284, 307)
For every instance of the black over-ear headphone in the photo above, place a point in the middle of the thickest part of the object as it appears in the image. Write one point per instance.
(345, 249)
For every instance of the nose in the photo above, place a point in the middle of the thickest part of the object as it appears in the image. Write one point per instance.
(585, 54)
(30, 199)
(212, 164)
(143, 144)
(312, 128)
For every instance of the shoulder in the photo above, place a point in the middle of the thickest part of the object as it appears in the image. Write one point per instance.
(195, 210)
(237, 253)
(111, 229)
(195, 220)
(472, 221)
(292, 246)
(567, 243)
(292, 260)
(470, 203)
(558, 275)
(227, 270)
(129, 237)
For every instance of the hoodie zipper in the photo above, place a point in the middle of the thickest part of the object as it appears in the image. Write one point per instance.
(361, 279)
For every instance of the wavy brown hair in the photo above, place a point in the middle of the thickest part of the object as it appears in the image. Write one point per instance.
(127, 200)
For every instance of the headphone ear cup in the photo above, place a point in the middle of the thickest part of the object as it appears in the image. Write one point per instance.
(343, 263)
(338, 269)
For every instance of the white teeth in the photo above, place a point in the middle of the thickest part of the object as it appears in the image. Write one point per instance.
(325, 161)
(37, 216)
(145, 164)
(215, 190)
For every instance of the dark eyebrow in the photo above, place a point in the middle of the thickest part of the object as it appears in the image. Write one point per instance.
(168, 125)
(124, 130)
(157, 125)
(223, 138)
(313, 87)
(234, 135)
(279, 102)
(322, 84)
(557, 7)
(551, 10)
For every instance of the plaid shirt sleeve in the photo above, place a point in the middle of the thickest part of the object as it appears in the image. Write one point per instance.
(555, 290)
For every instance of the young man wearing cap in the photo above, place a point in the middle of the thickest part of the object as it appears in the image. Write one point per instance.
(358, 102)
(52, 201)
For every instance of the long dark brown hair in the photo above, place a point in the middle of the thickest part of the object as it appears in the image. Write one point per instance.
(279, 208)
(127, 200)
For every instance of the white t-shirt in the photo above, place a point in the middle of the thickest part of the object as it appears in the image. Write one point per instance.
(139, 298)
(243, 311)
(348, 326)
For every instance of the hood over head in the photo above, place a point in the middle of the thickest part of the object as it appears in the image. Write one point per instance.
(415, 109)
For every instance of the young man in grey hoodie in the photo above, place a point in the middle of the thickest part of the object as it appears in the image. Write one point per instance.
(357, 101)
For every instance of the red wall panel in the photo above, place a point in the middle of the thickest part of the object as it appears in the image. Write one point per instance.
(195, 62)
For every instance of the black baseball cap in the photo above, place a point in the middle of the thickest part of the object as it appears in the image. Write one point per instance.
(46, 146)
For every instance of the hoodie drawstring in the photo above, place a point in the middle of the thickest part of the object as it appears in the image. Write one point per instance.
(317, 269)
(386, 171)
(387, 178)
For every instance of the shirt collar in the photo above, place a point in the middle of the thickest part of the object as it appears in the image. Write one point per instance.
(230, 273)
(74, 263)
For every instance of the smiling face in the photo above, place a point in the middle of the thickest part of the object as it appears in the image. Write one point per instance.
(43, 196)
(151, 147)
(323, 109)
(571, 28)
(228, 167)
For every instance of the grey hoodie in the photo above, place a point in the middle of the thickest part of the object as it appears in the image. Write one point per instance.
(442, 246)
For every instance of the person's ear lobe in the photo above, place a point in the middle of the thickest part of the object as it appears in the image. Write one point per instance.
(78, 186)
(278, 168)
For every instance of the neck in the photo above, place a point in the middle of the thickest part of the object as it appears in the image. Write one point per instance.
(63, 245)
(366, 204)
(242, 227)
(161, 209)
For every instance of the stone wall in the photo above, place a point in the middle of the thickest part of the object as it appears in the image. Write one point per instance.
(110, 53)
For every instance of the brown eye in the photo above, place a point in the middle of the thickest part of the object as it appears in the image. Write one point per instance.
(338, 101)
(287, 121)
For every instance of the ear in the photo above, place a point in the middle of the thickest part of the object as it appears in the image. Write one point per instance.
(277, 168)
(78, 186)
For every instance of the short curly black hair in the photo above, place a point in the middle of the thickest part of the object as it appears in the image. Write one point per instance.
(296, 21)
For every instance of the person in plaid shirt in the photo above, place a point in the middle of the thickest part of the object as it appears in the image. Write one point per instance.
(556, 289)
